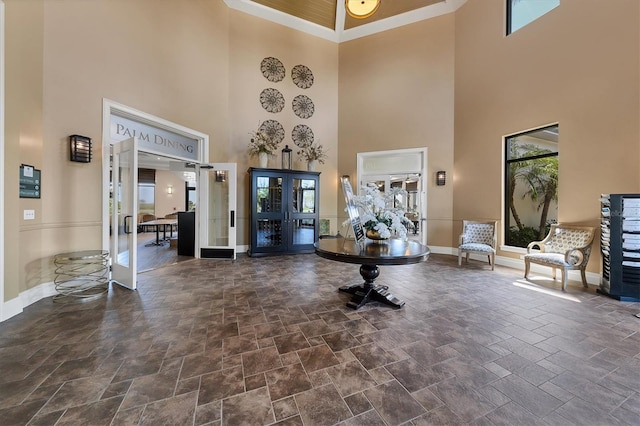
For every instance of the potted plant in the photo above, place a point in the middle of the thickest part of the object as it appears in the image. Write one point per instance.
(380, 219)
(312, 154)
(262, 146)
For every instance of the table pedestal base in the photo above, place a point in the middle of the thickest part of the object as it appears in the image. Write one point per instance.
(369, 292)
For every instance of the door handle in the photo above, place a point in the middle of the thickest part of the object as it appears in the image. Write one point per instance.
(232, 218)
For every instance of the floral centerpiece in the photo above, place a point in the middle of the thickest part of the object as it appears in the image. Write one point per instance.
(380, 219)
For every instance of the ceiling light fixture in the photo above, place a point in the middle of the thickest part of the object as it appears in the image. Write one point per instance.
(361, 9)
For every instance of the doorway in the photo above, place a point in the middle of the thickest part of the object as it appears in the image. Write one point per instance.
(400, 168)
(131, 137)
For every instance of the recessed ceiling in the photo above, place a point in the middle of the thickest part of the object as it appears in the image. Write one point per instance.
(328, 19)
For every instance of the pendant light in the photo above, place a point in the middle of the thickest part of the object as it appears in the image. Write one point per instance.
(361, 9)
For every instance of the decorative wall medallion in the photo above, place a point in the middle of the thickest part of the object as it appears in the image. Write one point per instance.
(302, 135)
(303, 106)
(272, 69)
(273, 130)
(302, 76)
(272, 100)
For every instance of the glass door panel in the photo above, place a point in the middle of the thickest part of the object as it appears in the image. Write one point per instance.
(304, 205)
(269, 208)
(124, 212)
(218, 228)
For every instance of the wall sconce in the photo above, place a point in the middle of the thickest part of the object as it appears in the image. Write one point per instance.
(361, 9)
(441, 178)
(286, 157)
(221, 176)
(80, 149)
(169, 189)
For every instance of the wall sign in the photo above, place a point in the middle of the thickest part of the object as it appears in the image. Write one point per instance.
(30, 183)
(154, 139)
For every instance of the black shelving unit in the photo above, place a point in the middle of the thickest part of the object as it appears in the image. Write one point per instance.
(620, 246)
(283, 211)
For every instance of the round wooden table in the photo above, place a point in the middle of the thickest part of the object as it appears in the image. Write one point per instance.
(386, 252)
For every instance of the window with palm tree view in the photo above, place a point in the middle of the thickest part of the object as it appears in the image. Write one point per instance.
(531, 185)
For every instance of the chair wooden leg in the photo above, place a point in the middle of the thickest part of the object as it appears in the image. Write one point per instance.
(492, 260)
(565, 277)
(584, 278)
(459, 258)
(554, 273)
(526, 268)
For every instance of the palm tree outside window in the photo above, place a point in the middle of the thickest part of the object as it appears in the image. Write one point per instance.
(531, 185)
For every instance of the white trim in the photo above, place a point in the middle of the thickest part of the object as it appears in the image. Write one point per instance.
(110, 107)
(339, 34)
(16, 306)
(3, 313)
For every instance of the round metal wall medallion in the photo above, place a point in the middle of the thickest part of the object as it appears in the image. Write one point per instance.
(273, 130)
(303, 106)
(302, 135)
(272, 100)
(272, 69)
(302, 76)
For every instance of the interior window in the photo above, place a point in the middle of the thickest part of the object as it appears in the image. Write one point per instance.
(531, 185)
(523, 12)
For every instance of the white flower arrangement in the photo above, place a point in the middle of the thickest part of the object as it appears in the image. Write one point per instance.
(378, 214)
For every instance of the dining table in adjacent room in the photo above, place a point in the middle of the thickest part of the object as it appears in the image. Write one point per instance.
(370, 254)
(157, 224)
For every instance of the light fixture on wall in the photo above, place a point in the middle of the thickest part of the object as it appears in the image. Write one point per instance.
(221, 176)
(441, 177)
(80, 149)
(286, 157)
(361, 9)
(169, 189)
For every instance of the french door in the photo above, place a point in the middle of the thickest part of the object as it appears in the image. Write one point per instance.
(216, 217)
(124, 212)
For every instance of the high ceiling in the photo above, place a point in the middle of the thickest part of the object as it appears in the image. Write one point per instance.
(329, 20)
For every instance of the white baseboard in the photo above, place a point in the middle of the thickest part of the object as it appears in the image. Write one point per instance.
(16, 305)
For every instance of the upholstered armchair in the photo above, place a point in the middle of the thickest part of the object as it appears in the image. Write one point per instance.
(566, 247)
(478, 237)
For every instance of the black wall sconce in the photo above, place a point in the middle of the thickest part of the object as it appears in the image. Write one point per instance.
(80, 149)
(286, 157)
(221, 176)
(441, 177)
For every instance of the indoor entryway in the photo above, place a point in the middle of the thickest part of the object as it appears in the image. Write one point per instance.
(134, 141)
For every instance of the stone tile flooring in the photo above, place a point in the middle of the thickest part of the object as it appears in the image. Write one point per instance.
(270, 340)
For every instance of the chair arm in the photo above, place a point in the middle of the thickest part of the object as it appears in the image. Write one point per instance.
(535, 243)
(461, 239)
(578, 252)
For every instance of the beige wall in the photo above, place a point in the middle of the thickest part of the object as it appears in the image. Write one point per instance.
(169, 203)
(578, 66)
(167, 58)
(251, 40)
(23, 137)
(396, 91)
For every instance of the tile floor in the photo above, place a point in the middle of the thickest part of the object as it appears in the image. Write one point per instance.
(270, 341)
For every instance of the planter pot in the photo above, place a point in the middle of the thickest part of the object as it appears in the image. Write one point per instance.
(374, 236)
(311, 165)
(263, 159)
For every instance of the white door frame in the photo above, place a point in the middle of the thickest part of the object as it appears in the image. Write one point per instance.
(2, 192)
(109, 108)
(387, 166)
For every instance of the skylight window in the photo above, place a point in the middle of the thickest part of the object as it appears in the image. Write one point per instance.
(523, 12)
